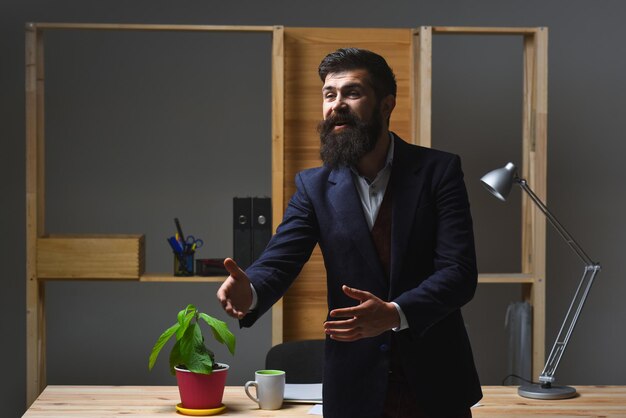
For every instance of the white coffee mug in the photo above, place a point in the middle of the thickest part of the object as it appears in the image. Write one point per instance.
(270, 388)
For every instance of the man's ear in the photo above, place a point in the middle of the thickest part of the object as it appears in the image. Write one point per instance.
(387, 105)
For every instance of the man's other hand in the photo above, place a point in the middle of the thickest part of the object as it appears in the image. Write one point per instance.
(371, 317)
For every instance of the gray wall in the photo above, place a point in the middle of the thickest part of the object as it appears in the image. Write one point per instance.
(145, 127)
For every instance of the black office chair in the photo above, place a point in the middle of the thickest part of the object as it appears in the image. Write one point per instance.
(303, 361)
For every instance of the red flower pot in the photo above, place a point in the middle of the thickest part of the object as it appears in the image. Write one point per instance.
(201, 391)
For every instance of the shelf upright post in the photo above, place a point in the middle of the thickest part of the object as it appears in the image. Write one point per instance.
(35, 228)
(534, 167)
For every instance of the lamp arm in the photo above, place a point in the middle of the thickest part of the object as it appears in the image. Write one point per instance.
(560, 228)
(547, 375)
(591, 270)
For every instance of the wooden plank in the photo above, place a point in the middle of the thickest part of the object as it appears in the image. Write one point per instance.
(169, 278)
(506, 278)
(414, 86)
(534, 169)
(465, 30)
(529, 212)
(538, 177)
(152, 27)
(278, 156)
(528, 115)
(305, 304)
(35, 298)
(41, 208)
(423, 109)
(278, 124)
(32, 293)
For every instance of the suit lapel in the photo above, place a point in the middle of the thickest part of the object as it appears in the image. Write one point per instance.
(407, 187)
(345, 200)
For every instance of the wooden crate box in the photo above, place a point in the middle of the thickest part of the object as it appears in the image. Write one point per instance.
(90, 256)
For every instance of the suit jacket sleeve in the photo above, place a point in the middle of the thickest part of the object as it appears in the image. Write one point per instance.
(454, 278)
(285, 254)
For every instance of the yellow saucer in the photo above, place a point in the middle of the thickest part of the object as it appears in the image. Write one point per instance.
(200, 412)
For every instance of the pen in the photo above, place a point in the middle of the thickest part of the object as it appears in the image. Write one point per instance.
(175, 245)
(179, 229)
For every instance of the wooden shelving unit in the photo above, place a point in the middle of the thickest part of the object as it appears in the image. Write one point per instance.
(296, 52)
(36, 278)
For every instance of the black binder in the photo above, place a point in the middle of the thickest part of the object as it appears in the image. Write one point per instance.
(242, 231)
(261, 224)
(252, 228)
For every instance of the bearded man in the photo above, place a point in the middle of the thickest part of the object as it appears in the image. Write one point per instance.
(394, 226)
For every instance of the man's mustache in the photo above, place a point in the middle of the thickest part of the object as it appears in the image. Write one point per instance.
(343, 118)
(340, 118)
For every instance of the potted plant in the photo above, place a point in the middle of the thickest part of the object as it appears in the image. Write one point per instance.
(200, 379)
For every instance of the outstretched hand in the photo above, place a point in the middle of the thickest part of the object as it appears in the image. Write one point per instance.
(371, 317)
(235, 294)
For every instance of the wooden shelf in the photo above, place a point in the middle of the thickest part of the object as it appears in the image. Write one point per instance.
(169, 278)
(461, 30)
(148, 27)
(506, 278)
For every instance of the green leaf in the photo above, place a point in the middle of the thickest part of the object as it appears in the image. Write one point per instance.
(182, 314)
(184, 319)
(160, 343)
(200, 360)
(190, 339)
(175, 357)
(196, 357)
(220, 331)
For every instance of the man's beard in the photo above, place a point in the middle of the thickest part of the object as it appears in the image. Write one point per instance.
(352, 142)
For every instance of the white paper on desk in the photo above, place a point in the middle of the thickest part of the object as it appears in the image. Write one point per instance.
(303, 392)
(315, 410)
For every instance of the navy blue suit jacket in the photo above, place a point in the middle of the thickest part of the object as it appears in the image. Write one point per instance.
(433, 274)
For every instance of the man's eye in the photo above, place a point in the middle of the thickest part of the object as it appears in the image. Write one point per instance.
(329, 95)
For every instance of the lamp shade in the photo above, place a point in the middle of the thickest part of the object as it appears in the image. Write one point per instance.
(499, 181)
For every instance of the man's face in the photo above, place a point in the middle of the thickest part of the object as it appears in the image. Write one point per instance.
(352, 118)
(349, 90)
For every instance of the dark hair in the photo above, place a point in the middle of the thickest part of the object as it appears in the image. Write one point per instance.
(347, 59)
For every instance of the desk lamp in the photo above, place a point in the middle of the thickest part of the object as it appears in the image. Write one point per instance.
(498, 182)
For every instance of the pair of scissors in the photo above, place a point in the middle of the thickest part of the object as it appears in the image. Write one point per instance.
(193, 243)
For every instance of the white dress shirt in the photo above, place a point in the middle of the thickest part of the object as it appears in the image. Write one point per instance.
(372, 194)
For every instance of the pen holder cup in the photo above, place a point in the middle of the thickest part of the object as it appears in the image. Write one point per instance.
(183, 264)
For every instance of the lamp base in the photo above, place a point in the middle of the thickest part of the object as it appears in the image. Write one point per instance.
(537, 391)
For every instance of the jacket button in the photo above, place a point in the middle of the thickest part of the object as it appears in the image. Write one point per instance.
(384, 348)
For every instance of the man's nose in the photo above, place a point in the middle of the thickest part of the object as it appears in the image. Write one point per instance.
(339, 104)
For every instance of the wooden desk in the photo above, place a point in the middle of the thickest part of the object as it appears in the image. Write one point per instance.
(159, 401)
